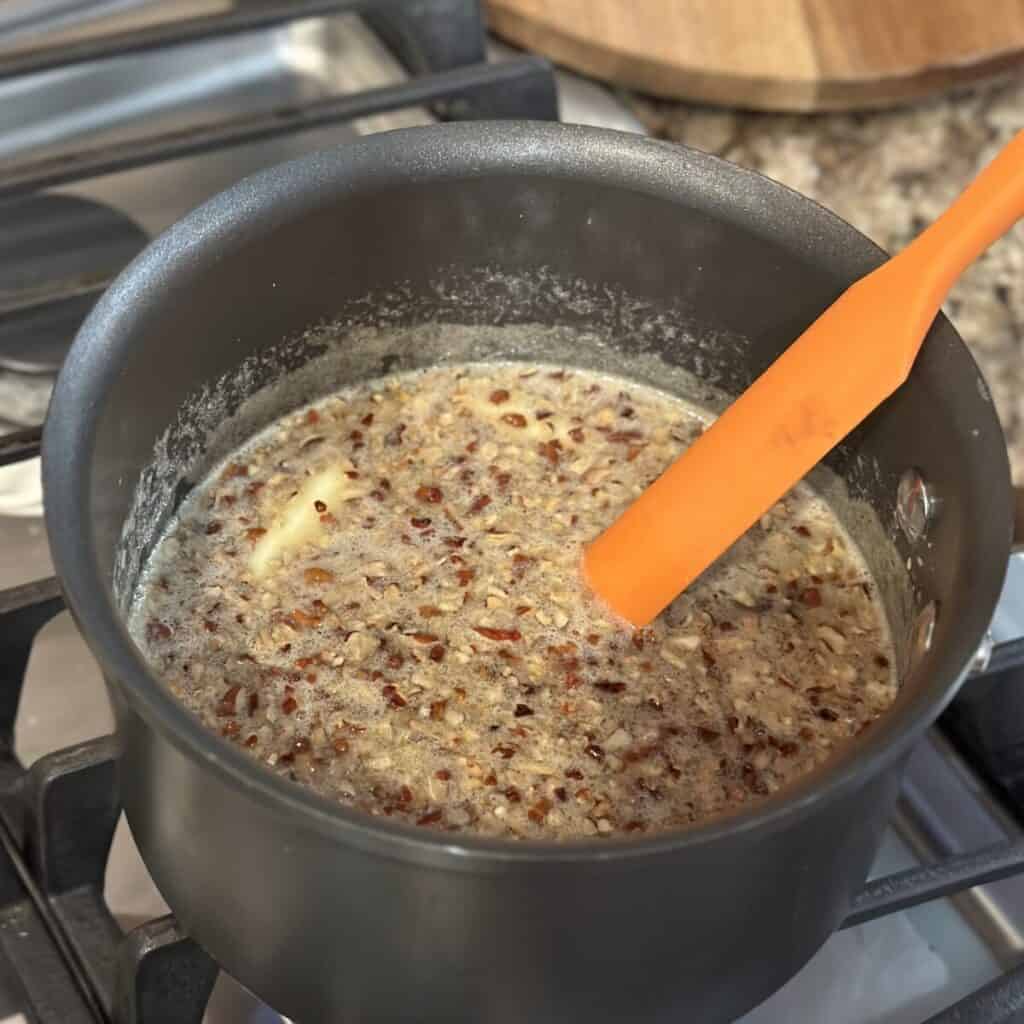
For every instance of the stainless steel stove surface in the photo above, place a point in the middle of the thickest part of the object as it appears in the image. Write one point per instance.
(902, 968)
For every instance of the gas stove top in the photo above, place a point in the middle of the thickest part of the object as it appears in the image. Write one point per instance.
(937, 935)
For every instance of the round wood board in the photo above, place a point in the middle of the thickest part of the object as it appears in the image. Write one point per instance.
(773, 54)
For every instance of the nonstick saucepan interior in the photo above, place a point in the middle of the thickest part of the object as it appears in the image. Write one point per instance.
(549, 242)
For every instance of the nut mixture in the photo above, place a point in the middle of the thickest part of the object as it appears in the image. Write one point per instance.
(379, 597)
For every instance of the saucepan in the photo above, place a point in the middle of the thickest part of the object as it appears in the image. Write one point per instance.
(653, 260)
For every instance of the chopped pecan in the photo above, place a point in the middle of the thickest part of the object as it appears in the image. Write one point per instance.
(314, 574)
(429, 494)
(551, 450)
(393, 697)
(226, 707)
(498, 635)
(539, 811)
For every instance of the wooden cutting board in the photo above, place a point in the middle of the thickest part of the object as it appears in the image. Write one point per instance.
(773, 54)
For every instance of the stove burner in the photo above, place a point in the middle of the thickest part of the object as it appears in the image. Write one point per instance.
(57, 255)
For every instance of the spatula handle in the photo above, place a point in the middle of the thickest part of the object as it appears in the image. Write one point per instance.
(983, 212)
(853, 357)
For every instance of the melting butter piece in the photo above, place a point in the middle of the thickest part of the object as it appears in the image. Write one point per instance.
(299, 520)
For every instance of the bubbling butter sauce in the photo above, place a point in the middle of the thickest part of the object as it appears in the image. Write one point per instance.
(379, 597)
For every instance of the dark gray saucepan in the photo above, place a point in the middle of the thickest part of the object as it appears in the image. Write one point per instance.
(666, 254)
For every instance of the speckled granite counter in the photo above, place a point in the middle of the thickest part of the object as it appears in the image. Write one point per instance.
(889, 173)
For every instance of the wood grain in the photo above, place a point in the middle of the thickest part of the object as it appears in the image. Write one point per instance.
(773, 54)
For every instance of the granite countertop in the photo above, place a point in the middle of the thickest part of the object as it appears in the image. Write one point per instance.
(889, 173)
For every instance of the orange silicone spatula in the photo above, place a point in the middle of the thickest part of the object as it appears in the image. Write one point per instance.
(856, 354)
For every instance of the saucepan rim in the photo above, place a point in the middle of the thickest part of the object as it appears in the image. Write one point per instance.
(419, 155)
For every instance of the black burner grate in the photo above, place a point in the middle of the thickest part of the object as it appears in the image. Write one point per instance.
(63, 958)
